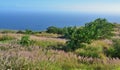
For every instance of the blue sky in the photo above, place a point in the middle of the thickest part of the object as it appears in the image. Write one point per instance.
(92, 6)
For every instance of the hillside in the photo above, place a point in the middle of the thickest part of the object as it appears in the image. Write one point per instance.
(50, 51)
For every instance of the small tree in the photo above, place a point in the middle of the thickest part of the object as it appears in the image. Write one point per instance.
(77, 39)
(100, 28)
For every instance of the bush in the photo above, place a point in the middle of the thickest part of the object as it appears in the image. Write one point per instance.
(69, 31)
(20, 31)
(54, 30)
(77, 38)
(110, 52)
(100, 28)
(114, 51)
(25, 41)
(28, 31)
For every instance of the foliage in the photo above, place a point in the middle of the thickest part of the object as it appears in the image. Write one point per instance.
(87, 54)
(25, 41)
(100, 28)
(28, 31)
(77, 38)
(114, 51)
(55, 30)
(20, 31)
(51, 44)
(69, 31)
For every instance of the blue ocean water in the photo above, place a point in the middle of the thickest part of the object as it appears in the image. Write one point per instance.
(40, 21)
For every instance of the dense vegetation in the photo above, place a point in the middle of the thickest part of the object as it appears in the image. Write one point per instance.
(94, 46)
(98, 29)
(55, 30)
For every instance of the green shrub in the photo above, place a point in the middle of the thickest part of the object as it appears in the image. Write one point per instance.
(69, 31)
(77, 38)
(114, 51)
(20, 31)
(28, 31)
(98, 29)
(110, 52)
(55, 30)
(25, 41)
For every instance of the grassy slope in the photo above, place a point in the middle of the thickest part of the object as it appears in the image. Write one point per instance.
(14, 56)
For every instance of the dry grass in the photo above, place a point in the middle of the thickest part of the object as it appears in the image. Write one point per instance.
(21, 58)
(16, 57)
(44, 34)
(101, 43)
(116, 32)
(36, 56)
(47, 39)
(34, 37)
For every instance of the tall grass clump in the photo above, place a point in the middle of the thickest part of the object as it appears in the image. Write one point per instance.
(89, 51)
(6, 38)
(114, 50)
(37, 59)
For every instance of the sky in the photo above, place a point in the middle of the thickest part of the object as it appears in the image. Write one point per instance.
(88, 6)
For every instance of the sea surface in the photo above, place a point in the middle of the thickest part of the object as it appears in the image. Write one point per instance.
(41, 21)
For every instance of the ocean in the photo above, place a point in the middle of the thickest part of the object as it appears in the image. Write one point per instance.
(41, 21)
